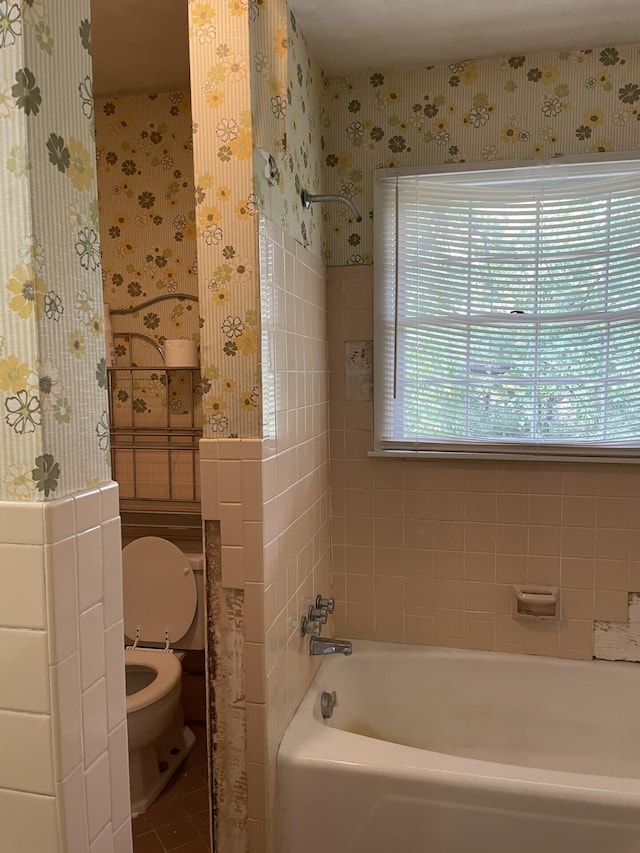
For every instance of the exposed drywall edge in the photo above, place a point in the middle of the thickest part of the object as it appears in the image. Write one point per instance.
(227, 706)
(619, 640)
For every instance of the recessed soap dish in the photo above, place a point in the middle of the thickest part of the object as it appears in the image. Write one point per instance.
(537, 602)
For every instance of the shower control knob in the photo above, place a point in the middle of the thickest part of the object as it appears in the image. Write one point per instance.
(317, 614)
(326, 604)
(310, 626)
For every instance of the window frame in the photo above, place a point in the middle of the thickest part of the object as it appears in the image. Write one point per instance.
(383, 178)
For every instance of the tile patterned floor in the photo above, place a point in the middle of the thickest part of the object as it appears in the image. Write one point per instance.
(178, 821)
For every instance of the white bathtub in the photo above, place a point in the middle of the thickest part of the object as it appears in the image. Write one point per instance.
(435, 750)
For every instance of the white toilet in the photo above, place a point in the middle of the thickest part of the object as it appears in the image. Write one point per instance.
(163, 611)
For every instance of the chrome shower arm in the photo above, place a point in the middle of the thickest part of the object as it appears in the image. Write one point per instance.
(308, 200)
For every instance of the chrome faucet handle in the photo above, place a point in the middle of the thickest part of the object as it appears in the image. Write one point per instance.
(310, 626)
(326, 604)
(318, 614)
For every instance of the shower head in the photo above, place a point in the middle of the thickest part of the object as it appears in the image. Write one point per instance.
(308, 200)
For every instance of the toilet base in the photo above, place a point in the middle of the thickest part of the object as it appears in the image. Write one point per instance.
(151, 767)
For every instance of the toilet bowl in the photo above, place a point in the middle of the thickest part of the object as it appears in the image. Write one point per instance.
(163, 612)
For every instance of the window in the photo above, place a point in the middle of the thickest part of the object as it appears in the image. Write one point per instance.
(507, 310)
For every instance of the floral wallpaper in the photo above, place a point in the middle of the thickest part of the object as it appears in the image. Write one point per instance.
(287, 89)
(53, 409)
(517, 108)
(255, 89)
(225, 221)
(148, 235)
(144, 153)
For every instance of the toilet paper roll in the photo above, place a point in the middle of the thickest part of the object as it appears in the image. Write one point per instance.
(180, 353)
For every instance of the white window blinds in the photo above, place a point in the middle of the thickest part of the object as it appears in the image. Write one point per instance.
(507, 310)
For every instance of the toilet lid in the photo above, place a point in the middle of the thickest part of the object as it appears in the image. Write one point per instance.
(159, 590)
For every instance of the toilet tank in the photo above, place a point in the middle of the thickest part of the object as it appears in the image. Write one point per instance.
(195, 636)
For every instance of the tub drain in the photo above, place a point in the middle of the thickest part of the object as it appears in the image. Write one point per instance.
(328, 702)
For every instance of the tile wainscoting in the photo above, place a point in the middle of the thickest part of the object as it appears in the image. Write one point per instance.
(64, 783)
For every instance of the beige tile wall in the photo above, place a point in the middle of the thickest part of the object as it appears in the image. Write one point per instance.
(427, 552)
(295, 476)
(64, 783)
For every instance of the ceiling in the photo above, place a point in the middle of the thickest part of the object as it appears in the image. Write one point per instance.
(139, 46)
(142, 45)
(350, 35)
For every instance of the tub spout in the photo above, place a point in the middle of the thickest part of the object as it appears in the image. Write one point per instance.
(329, 646)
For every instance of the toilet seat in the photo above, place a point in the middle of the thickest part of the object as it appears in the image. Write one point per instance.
(160, 596)
(168, 672)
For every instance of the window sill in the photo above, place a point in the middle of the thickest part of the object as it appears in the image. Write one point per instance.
(502, 457)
